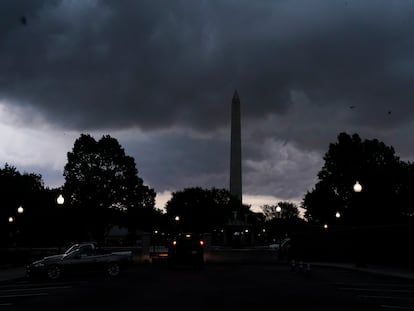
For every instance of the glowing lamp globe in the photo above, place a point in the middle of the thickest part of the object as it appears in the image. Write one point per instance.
(60, 200)
(357, 187)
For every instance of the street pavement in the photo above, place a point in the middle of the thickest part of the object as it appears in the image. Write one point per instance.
(399, 272)
(11, 273)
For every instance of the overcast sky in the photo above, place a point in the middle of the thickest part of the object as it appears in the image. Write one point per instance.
(159, 76)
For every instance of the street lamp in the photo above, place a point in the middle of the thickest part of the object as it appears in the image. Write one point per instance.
(278, 210)
(357, 187)
(279, 237)
(177, 223)
(60, 199)
(359, 243)
(20, 209)
(338, 215)
(11, 219)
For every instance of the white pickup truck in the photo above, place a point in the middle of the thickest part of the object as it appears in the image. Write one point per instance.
(80, 258)
(93, 245)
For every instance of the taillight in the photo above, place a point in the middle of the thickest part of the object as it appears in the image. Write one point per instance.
(201, 242)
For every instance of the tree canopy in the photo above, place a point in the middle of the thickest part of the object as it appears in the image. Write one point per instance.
(25, 191)
(288, 210)
(102, 182)
(202, 209)
(375, 166)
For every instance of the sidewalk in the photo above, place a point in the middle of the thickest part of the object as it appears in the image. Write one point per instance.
(11, 273)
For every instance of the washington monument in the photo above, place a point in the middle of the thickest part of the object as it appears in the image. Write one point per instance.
(235, 149)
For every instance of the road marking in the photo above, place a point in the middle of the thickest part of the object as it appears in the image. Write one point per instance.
(6, 304)
(25, 295)
(33, 289)
(26, 284)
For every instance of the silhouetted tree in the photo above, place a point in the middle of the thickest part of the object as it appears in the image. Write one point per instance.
(281, 224)
(372, 163)
(25, 190)
(288, 210)
(102, 185)
(406, 189)
(200, 209)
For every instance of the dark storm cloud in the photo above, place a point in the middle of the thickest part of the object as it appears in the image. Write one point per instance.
(305, 71)
(175, 161)
(154, 64)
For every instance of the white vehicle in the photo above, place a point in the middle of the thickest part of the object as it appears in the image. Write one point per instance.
(80, 258)
(282, 245)
(84, 245)
(92, 246)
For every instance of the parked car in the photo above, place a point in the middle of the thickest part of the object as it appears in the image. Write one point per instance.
(79, 260)
(283, 247)
(187, 249)
(283, 244)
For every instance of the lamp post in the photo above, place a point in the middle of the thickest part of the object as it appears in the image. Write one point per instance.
(279, 239)
(278, 211)
(20, 223)
(20, 209)
(357, 187)
(11, 231)
(359, 243)
(60, 199)
(16, 226)
(177, 223)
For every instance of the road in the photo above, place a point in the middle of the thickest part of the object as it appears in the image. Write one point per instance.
(216, 287)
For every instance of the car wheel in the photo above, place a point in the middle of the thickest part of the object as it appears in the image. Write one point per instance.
(53, 272)
(113, 269)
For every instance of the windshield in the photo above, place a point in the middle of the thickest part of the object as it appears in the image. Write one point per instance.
(79, 247)
(71, 249)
